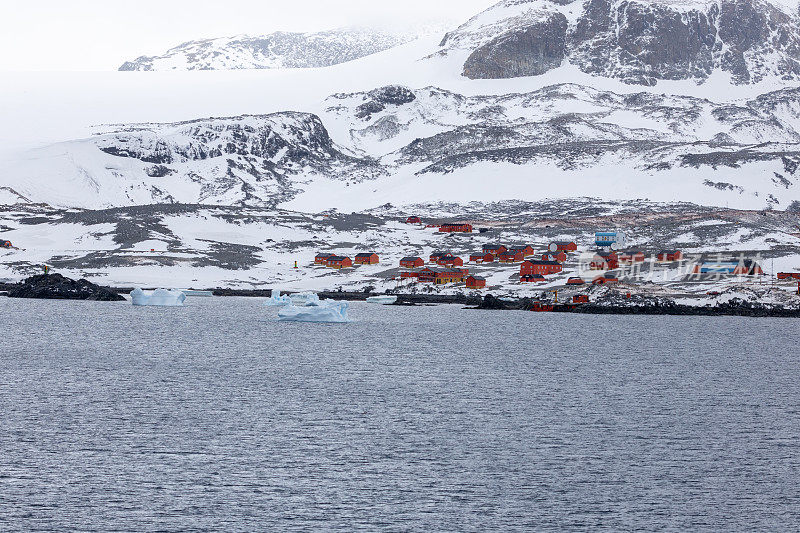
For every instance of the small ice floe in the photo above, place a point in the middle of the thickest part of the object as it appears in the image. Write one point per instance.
(193, 292)
(158, 298)
(382, 300)
(304, 299)
(323, 311)
(276, 300)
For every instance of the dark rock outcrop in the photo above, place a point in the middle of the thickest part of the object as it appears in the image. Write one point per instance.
(257, 156)
(491, 302)
(57, 287)
(530, 51)
(639, 42)
(381, 97)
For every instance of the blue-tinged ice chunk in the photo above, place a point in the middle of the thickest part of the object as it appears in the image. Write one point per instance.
(324, 311)
(305, 299)
(278, 301)
(383, 299)
(159, 298)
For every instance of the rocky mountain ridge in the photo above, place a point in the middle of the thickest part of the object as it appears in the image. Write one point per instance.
(636, 41)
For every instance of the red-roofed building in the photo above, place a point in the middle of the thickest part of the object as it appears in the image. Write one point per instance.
(321, 259)
(481, 258)
(494, 249)
(526, 249)
(411, 262)
(631, 256)
(605, 261)
(475, 282)
(413, 220)
(511, 256)
(442, 276)
(555, 256)
(435, 256)
(339, 262)
(450, 261)
(563, 246)
(456, 228)
(543, 268)
(367, 259)
(670, 255)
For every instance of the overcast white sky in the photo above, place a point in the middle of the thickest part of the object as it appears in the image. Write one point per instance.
(101, 34)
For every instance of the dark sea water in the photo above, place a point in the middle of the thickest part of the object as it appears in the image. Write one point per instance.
(216, 417)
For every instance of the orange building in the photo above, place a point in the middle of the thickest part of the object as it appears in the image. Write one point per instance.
(450, 261)
(605, 261)
(542, 268)
(475, 282)
(670, 255)
(321, 259)
(511, 256)
(455, 228)
(482, 258)
(339, 262)
(494, 249)
(411, 262)
(563, 246)
(367, 259)
(555, 256)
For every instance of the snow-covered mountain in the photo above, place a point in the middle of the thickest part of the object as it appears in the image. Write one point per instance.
(636, 41)
(259, 160)
(395, 144)
(277, 50)
(435, 135)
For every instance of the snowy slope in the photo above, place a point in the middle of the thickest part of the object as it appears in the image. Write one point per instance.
(258, 160)
(176, 245)
(277, 50)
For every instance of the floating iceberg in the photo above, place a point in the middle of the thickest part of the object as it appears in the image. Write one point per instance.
(383, 300)
(278, 301)
(193, 292)
(304, 299)
(324, 311)
(159, 297)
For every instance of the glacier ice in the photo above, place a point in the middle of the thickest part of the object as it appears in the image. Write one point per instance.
(305, 299)
(159, 298)
(323, 311)
(383, 299)
(276, 300)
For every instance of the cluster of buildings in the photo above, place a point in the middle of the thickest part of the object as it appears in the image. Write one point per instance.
(612, 260)
(342, 261)
(444, 267)
(531, 269)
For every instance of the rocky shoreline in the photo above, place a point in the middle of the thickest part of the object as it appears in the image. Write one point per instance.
(55, 286)
(645, 306)
(606, 306)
